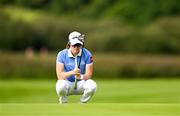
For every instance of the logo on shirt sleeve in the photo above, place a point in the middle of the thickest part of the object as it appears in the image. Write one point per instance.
(91, 59)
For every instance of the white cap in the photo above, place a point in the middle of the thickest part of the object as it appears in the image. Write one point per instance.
(76, 38)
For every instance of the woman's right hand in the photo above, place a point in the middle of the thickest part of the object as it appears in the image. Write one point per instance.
(76, 71)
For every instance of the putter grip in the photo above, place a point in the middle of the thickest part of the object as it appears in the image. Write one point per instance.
(75, 82)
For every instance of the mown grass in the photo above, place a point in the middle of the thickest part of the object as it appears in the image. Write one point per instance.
(109, 91)
(96, 109)
(113, 97)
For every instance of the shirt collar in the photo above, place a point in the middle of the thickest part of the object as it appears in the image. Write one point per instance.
(70, 54)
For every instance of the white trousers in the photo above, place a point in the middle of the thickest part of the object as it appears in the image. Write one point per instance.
(86, 88)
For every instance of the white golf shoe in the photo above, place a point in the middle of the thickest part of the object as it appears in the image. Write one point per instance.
(63, 99)
(85, 98)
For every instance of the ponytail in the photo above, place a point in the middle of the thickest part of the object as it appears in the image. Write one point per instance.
(68, 45)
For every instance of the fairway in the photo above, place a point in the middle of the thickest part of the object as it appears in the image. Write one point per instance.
(114, 98)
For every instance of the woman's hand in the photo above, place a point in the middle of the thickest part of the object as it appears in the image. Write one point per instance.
(76, 71)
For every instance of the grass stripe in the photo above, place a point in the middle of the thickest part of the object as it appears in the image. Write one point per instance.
(125, 109)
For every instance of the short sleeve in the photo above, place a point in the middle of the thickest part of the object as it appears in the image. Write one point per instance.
(60, 58)
(89, 58)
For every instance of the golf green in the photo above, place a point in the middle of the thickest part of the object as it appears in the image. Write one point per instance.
(92, 109)
(113, 98)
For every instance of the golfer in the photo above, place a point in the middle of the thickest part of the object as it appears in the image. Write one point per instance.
(74, 79)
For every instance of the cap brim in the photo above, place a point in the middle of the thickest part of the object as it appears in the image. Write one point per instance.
(75, 41)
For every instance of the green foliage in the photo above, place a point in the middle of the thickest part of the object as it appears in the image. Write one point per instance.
(135, 11)
(22, 28)
(47, 23)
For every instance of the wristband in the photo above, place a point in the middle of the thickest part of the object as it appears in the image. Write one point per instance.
(82, 76)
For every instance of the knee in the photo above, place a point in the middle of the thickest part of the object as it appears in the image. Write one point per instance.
(60, 86)
(90, 85)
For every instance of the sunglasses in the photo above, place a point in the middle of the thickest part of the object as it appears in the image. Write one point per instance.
(77, 45)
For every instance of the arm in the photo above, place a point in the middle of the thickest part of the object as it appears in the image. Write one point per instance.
(61, 75)
(89, 71)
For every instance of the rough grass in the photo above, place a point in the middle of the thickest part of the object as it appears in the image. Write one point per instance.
(19, 65)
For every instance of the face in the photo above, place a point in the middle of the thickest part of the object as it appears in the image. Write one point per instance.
(75, 49)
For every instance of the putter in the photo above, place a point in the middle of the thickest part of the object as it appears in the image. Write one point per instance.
(81, 38)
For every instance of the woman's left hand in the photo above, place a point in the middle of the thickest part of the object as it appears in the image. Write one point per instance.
(78, 76)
